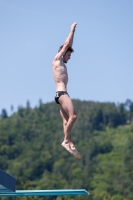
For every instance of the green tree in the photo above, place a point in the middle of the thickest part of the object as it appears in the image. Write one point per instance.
(4, 114)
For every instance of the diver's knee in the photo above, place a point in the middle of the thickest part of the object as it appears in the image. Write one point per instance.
(64, 122)
(73, 117)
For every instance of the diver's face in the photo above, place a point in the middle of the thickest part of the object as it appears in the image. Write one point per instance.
(66, 56)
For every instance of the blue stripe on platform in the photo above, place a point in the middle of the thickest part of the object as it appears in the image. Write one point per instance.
(45, 192)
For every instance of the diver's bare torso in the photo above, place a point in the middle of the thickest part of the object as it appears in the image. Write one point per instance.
(60, 74)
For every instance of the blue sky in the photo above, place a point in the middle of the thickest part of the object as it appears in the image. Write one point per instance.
(31, 31)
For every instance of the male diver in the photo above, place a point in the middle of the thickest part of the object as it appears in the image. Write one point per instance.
(62, 98)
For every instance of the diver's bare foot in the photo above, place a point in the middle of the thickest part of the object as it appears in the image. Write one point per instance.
(75, 151)
(66, 145)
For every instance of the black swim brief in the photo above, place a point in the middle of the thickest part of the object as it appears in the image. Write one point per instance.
(58, 94)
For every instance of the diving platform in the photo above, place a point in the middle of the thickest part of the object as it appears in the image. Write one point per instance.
(44, 192)
(8, 189)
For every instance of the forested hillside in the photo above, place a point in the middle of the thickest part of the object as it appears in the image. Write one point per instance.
(30, 149)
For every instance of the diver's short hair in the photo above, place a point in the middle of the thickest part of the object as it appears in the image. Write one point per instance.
(69, 49)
